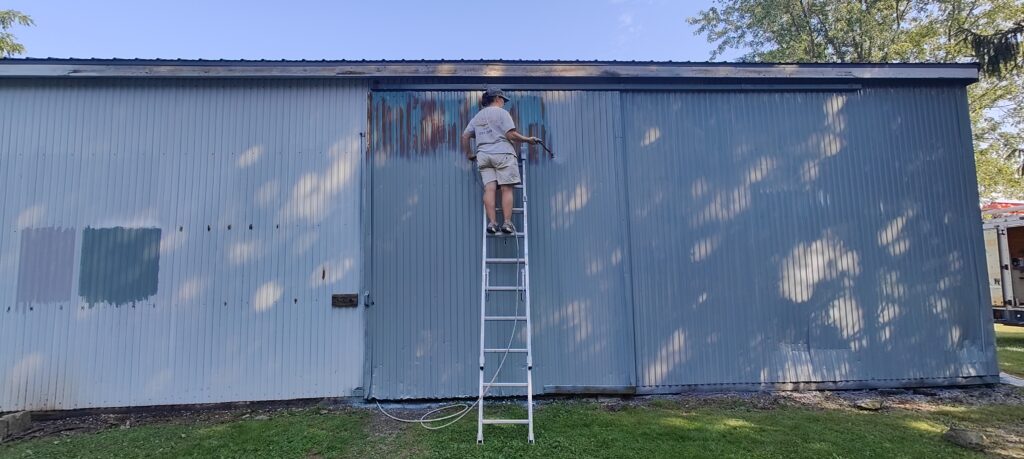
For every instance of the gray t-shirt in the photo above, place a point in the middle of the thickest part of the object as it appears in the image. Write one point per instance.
(490, 126)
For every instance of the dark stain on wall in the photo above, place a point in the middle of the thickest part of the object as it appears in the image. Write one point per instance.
(119, 265)
(411, 124)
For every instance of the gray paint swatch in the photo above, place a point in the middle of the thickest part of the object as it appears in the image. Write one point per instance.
(46, 265)
(119, 265)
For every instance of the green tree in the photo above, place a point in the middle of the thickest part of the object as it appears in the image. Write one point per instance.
(898, 31)
(8, 19)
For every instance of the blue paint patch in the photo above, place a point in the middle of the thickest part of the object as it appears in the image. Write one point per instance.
(46, 265)
(528, 112)
(119, 265)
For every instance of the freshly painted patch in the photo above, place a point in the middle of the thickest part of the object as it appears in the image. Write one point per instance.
(119, 265)
(46, 265)
(530, 117)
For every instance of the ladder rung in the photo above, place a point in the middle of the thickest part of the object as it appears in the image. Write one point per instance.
(506, 421)
(516, 210)
(504, 317)
(507, 235)
(502, 351)
(519, 186)
(507, 384)
(505, 260)
(504, 288)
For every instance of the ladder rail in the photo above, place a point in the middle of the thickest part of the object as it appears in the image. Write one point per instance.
(526, 297)
(483, 321)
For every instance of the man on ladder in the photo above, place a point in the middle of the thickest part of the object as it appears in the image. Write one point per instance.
(495, 155)
(498, 163)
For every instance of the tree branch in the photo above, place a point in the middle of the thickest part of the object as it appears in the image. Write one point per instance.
(998, 53)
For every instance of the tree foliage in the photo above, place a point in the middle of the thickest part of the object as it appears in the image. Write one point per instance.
(8, 19)
(898, 31)
(998, 52)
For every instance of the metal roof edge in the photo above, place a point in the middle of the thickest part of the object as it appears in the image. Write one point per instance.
(131, 68)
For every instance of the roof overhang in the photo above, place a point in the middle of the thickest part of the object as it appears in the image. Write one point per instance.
(132, 68)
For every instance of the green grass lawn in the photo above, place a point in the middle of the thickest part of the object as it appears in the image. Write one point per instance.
(1010, 346)
(657, 429)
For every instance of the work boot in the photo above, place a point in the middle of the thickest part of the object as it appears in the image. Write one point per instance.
(508, 228)
(492, 228)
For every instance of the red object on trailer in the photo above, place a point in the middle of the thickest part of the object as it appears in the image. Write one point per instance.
(1004, 207)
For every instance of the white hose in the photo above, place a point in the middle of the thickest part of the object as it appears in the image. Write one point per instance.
(423, 420)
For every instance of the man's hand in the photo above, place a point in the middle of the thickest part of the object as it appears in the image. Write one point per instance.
(467, 148)
(533, 140)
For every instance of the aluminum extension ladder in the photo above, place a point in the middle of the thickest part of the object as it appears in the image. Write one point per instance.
(522, 291)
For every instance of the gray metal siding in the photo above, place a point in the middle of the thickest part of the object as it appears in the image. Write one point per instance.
(804, 237)
(678, 238)
(427, 215)
(159, 309)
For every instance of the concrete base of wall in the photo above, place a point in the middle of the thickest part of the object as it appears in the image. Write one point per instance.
(14, 423)
(833, 385)
(767, 387)
(590, 390)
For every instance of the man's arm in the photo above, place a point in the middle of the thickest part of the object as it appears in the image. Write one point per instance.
(466, 147)
(515, 136)
(505, 123)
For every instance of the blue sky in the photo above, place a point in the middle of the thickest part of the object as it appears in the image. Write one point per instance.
(376, 29)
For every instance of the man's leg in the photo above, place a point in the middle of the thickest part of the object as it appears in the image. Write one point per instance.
(489, 189)
(507, 201)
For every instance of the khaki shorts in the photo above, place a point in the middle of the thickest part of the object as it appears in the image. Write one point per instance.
(501, 168)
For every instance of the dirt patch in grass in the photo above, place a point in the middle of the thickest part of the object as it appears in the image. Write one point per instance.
(64, 423)
(923, 399)
(969, 409)
(909, 399)
(383, 426)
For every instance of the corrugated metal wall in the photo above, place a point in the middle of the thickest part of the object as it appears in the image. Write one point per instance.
(427, 217)
(805, 237)
(178, 241)
(678, 239)
(758, 238)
